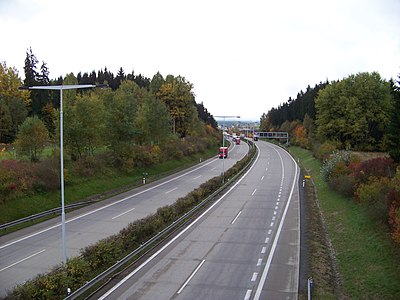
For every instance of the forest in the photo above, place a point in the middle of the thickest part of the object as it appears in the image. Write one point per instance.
(134, 123)
(353, 126)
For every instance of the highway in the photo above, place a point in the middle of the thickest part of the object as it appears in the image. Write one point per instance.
(245, 246)
(37, 249)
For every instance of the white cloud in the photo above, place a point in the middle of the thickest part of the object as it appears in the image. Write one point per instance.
(242, 57)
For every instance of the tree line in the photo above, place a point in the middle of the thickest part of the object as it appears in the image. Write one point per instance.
(135, 123)
(176, 93)
(360, 112)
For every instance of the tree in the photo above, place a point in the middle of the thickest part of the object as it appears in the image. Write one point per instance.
(152, 120)
(34, 77)
(205, 116)
(13, 103)
(177, 94)
(83, 125)
(5, 121)
(156, 82)
(355, 111)
(393, 132)
(32, 137)
(265, 123)
(120, 126)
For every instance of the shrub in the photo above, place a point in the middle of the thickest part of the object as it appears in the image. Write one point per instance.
(15, 177)
(324, 151)
(46, 175)
(338, 161)
(377, 167)
(344, 184)
(372, 195)
(394, 213)
(86, 166)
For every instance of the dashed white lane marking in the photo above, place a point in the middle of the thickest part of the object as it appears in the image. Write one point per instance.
(259, 262)
(197, 177)
(274, 212)
(21, 260)
(237, 216)
(167, 192)
(254, 278)
(272, 224)
(263, 250)
(262, 178)
(248, 294)
(254, 192)
(267, 240)
(121, 214)
(191, 276)
(270, 231)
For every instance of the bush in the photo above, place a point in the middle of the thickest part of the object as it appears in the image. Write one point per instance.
(376, 167)
(393, 200)
(46, 175)
(373, 195)
(335, 165)
(15, 178)
(344, 184)
(324, 151)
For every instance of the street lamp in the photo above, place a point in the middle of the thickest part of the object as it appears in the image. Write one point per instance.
(61, 88)
(223, 143)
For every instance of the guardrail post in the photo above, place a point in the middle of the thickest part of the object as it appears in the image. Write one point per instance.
(310, 287)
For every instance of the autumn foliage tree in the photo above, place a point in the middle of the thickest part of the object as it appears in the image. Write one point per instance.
(355, 111)
(32, 137)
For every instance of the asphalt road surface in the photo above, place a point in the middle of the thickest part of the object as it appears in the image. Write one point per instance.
(245, 246)
(37, 249)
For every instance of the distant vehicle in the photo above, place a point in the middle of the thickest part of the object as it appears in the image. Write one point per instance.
(223, 152)
(255, 138)
(237, 141)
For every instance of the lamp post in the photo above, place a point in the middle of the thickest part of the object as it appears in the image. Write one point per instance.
(223, 143)
(61, 88)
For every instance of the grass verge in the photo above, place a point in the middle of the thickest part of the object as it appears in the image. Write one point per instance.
(84, 188)
(367, 260)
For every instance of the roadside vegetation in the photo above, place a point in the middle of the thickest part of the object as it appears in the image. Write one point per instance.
(348, 131)
(366, 257)
(138, 127)
(98, 257)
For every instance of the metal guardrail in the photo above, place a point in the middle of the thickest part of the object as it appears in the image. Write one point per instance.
(43, 214)
(159, 236)
(71, 206)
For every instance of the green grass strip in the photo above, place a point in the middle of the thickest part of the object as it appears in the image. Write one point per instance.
(369, 262)
(81, 187)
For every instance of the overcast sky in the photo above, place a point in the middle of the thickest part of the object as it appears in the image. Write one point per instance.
(243, 57)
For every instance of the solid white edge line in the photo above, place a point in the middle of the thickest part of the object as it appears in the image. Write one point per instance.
(126, 278)
(190, 277)
(21, 260)
(274, 244)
